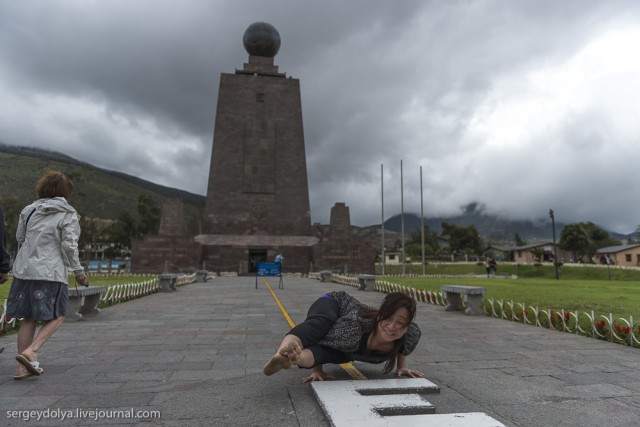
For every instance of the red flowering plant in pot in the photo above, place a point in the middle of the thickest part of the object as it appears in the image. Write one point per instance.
(622, 331)
(601, 329)
(560, 320)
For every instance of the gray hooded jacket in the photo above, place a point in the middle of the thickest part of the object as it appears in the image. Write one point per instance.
(48, 241)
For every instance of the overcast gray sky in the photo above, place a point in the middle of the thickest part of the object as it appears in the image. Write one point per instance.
(520, 106)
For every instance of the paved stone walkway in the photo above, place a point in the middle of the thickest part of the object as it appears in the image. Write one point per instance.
(196, 355)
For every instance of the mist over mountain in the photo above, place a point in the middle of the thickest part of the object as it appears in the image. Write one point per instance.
(492, 228)
(105, 194)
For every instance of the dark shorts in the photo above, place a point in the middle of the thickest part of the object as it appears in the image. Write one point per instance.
(322, 355)
(321, 316)
(37, 299)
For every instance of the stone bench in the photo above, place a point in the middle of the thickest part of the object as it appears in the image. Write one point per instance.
(84, 301)
(325, 275)
(168, 283)
(367, 282)
(472, 294)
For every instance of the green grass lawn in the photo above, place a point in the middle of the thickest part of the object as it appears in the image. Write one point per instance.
(97, 280)
(523, 271)
(580, 288)
(621, 298)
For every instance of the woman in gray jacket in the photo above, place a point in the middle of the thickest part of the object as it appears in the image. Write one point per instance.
(48, 231)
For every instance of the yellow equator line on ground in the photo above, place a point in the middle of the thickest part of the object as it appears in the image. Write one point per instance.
(348, 367)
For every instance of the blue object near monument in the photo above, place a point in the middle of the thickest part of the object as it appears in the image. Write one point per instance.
(269, 269)
(106, 266)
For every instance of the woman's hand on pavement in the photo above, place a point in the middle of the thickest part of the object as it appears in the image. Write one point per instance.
(411, 373)
(318, 376)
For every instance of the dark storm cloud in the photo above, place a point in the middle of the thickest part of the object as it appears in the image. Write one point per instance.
(520, 106)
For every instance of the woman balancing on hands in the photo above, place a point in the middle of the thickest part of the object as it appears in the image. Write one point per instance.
(339, 329)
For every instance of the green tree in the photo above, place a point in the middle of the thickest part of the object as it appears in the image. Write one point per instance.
(431, 245)
(128, 227)
(574, 238)
(414, 251)
(598, 238)
(538, 254)
(123, 230)
(148, 216)
(584, 239)
(12, 209)
(90, 234)
(464, 240)
(519, 241)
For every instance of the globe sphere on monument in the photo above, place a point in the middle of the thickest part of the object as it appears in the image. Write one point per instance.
(261, 39)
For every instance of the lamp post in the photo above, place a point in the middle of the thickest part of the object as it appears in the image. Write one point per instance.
(555, 251)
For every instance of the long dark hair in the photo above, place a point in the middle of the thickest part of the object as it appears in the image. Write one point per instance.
(390, 304)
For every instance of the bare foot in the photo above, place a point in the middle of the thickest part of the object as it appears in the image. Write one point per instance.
(20, 371)
(30, 355)
(283, 359)
(28, 359)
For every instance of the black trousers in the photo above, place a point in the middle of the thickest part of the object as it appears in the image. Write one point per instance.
(321, 316)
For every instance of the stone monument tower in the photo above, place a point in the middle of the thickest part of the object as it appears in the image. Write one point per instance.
(257, 202)
(258, 197)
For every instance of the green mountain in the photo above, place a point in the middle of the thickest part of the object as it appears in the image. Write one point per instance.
(99, 193)
(493, 229)
(496, 230)
(105, 194)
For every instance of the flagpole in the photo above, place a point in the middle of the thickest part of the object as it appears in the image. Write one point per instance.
(422, 221)
(382, 214)
(402, 216)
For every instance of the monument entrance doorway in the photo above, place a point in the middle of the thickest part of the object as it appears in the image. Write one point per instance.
(255, 256)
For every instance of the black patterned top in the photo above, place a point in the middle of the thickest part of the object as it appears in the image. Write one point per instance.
(350, 332)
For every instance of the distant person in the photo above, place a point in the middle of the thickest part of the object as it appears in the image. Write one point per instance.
(279, 258)
(491, 266)
(339, 329)
(5, 258)
(47, 233)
